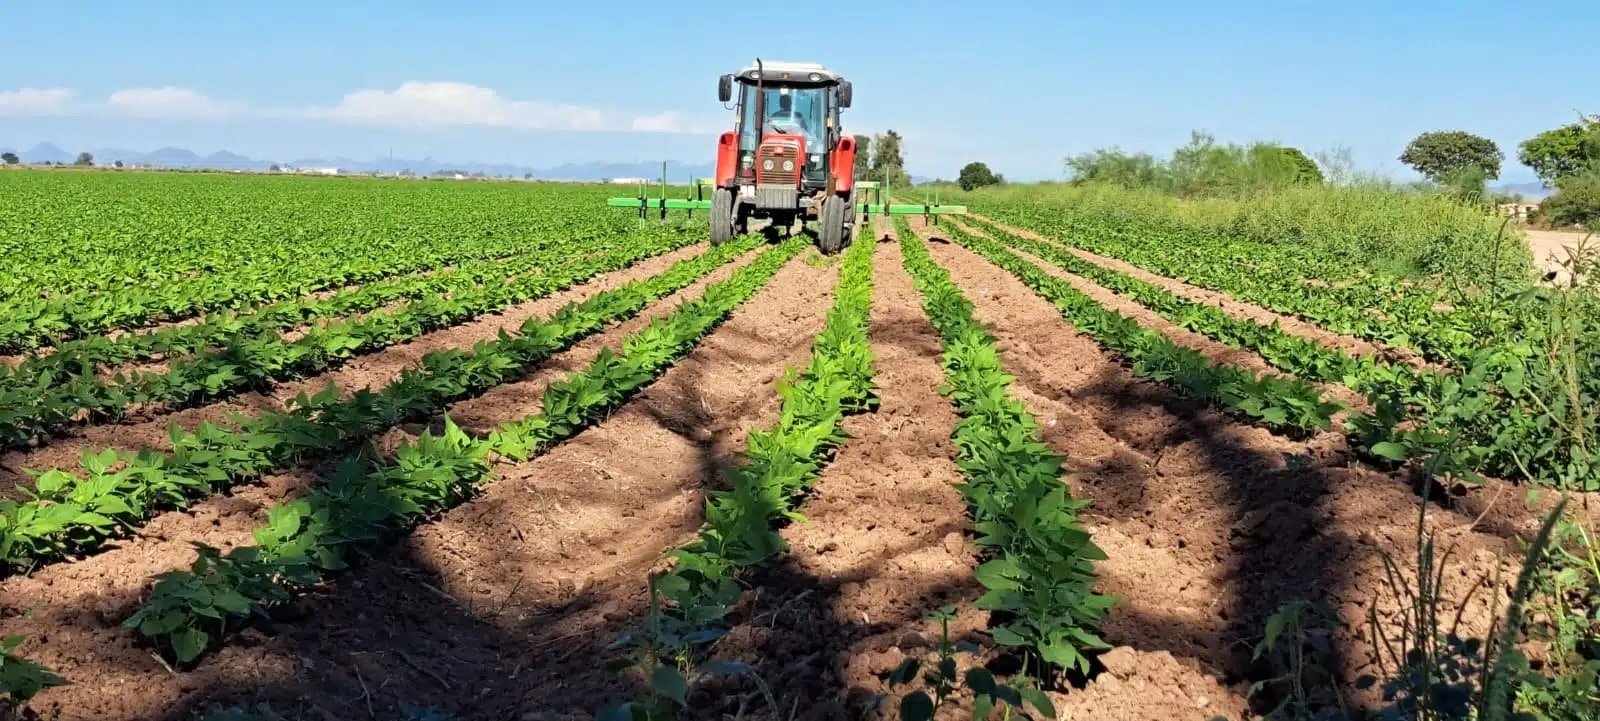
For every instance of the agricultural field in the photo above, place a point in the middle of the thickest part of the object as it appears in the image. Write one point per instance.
(335, 448)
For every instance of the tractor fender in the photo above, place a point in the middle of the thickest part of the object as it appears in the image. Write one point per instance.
(842, 166)
(727, 158)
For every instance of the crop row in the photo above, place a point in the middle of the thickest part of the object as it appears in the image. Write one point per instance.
(240, 364)
(1483, 416)
(1286, 404)
(74, 513)
(1040, 570)
(84, 357)
(308, 539)
(150, 247)
(690, 603)
(1336, 293)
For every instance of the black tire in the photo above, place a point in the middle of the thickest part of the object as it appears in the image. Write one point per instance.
(850, 229)
(722, 216)
(833, 235)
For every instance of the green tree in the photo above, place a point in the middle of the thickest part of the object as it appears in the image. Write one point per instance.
(1443, 154)
(1569, 149)
(863, 155)
(887, 163)
(976, 175)
(1300, 167)
(1575, 202)
(10, 158)
(84, 158)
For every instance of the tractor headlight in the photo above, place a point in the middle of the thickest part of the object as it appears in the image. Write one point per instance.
(788, 165)
(766, 164)
(814, 77)
(747, 161)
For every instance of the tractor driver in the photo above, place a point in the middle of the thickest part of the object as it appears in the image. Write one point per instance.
(784, 119)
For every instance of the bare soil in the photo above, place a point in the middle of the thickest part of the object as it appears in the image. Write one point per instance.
(1232, 306)
(502, 608)
(1211, 525)
(482, 612)
(367, 371)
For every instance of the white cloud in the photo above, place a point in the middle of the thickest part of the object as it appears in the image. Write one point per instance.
(673, 122)
(34, 101)
(412, 104)
(431, 104)
(170, 102)
(443, 103)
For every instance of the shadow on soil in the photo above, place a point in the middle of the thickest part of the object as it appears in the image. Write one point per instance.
(386, 642)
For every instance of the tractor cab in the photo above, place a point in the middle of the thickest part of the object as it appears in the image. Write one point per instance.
(781, 106)
(787, 157)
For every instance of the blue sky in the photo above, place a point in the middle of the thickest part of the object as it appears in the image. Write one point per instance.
(1019, 85)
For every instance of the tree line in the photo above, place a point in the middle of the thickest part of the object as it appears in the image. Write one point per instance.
(1566, 159)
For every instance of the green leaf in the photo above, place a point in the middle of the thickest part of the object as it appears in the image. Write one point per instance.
(1390, 450)
(189, 643)
(905, 672)
(916, 706)
(667, 681)
(1039, 700)
(1004, 636)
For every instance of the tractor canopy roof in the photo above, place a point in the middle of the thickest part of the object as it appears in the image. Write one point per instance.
(780, 72)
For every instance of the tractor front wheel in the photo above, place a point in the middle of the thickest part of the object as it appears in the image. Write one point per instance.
(835, 233)
(722, 216)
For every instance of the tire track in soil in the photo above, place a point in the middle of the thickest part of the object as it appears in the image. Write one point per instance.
(115, 578)
(490, 607)
(1209, 524)
(1229, 304)
(883, 543)
(370, 370)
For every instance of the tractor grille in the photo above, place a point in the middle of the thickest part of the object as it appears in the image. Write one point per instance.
(775, 155)
(780, 196)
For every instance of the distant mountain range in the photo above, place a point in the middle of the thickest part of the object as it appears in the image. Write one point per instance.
(224, 160)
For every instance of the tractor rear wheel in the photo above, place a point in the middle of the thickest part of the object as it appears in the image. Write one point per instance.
(834, 234)
(722, 216)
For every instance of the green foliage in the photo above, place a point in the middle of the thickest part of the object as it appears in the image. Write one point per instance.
(1388, 230)
(304, 540)
(21, 679)
(1282, 403)
(1442, 154)
(863, 156)
(1564, 151)
(1039, 571)
(988, 694)
(1433, 672)
(1576, 201)
(1200, 169)
(690, 602)
(887, 163)
(231, 359)
(9, 158)
(118, 491)
(174, 245)
(976, 175)
(85, 159)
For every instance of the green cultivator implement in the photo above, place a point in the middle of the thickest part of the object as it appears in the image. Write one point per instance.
(786, 160)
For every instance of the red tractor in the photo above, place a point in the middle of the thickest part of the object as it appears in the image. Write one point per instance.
(787, 157)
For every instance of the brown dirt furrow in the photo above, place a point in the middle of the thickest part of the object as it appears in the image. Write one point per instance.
(1210, 525)
(371, 370)
(1233, 306)
(1217, 351)
(883, 543)
(490, 608)
(225, 521)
